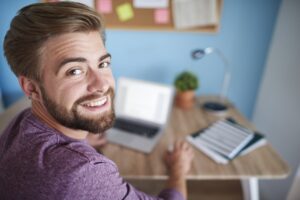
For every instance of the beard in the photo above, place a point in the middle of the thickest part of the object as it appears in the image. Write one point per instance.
(74, 120)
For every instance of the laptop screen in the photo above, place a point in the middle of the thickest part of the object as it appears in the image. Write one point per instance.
(143, 100)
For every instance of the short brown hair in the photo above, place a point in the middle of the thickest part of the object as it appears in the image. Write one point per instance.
(36, 23)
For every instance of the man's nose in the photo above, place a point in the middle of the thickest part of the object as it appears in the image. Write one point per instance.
(97, 82)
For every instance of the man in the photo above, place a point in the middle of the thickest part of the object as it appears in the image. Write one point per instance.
(57, 52)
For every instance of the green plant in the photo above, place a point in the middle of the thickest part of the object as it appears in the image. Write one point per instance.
(186, 81)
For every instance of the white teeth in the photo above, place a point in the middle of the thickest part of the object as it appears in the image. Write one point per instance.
(96, 103)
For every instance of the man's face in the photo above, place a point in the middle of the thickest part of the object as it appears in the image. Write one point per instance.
(77, 85)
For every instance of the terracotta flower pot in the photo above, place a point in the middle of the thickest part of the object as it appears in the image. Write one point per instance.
(185, 100)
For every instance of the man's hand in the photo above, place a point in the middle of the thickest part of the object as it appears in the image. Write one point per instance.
(180, 159)
(179, 163)
(96, 140)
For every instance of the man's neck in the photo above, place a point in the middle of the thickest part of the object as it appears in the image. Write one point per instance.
(40, 111)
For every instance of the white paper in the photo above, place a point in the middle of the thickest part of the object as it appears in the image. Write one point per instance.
(140, 109)
(213, 155)
(89, 3)
(151, 3)
(142, 100)
(194, 13)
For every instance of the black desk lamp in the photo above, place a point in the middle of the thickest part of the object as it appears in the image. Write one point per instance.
(215, 106)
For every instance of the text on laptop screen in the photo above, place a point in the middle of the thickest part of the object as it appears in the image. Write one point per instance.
(143, 100)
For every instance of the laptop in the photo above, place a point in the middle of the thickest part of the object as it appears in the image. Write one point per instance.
(142, 109)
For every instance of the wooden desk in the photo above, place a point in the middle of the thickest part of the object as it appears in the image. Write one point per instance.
(263, 163)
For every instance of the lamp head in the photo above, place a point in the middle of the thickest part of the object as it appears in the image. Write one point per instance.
(200, 53)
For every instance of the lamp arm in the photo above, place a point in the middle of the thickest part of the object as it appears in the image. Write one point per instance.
(227, 74)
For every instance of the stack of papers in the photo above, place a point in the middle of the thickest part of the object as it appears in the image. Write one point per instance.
(225, 140)
(194, 13)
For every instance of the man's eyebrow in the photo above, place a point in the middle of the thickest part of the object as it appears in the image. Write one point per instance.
(107, 55)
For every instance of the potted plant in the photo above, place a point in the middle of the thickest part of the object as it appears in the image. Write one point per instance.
(186, 83)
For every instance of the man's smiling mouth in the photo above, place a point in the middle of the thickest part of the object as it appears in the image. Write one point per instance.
(96, 102)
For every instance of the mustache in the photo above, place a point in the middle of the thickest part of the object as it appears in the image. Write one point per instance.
(109, 92)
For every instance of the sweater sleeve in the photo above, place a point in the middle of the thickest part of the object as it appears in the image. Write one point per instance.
(101, 180)
(167, 194)
(171, 194)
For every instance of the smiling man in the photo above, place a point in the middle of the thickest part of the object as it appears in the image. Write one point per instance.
(57, 52)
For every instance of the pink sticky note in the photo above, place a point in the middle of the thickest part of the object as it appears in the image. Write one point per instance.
(104, 6)
(161, 16)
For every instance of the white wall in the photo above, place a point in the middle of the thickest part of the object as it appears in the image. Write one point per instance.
(277, 112)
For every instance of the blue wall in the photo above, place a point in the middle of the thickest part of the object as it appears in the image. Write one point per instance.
(8, 82)
(244, 37)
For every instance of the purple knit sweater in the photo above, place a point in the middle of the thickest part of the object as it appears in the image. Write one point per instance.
(38, 162)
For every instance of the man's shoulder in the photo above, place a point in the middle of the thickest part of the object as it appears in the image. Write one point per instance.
(16, 120)
(81, 151)
(46, 146)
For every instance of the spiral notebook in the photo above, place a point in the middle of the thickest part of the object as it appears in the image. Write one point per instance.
(223, 140)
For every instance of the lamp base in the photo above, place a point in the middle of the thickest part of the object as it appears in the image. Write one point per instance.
(215, 107)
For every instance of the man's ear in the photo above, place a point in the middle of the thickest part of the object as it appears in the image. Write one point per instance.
(29, 87)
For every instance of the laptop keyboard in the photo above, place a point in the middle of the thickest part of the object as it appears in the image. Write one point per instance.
(136, 128)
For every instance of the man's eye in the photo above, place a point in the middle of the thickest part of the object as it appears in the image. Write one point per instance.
(104, 65)
(75, 72)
